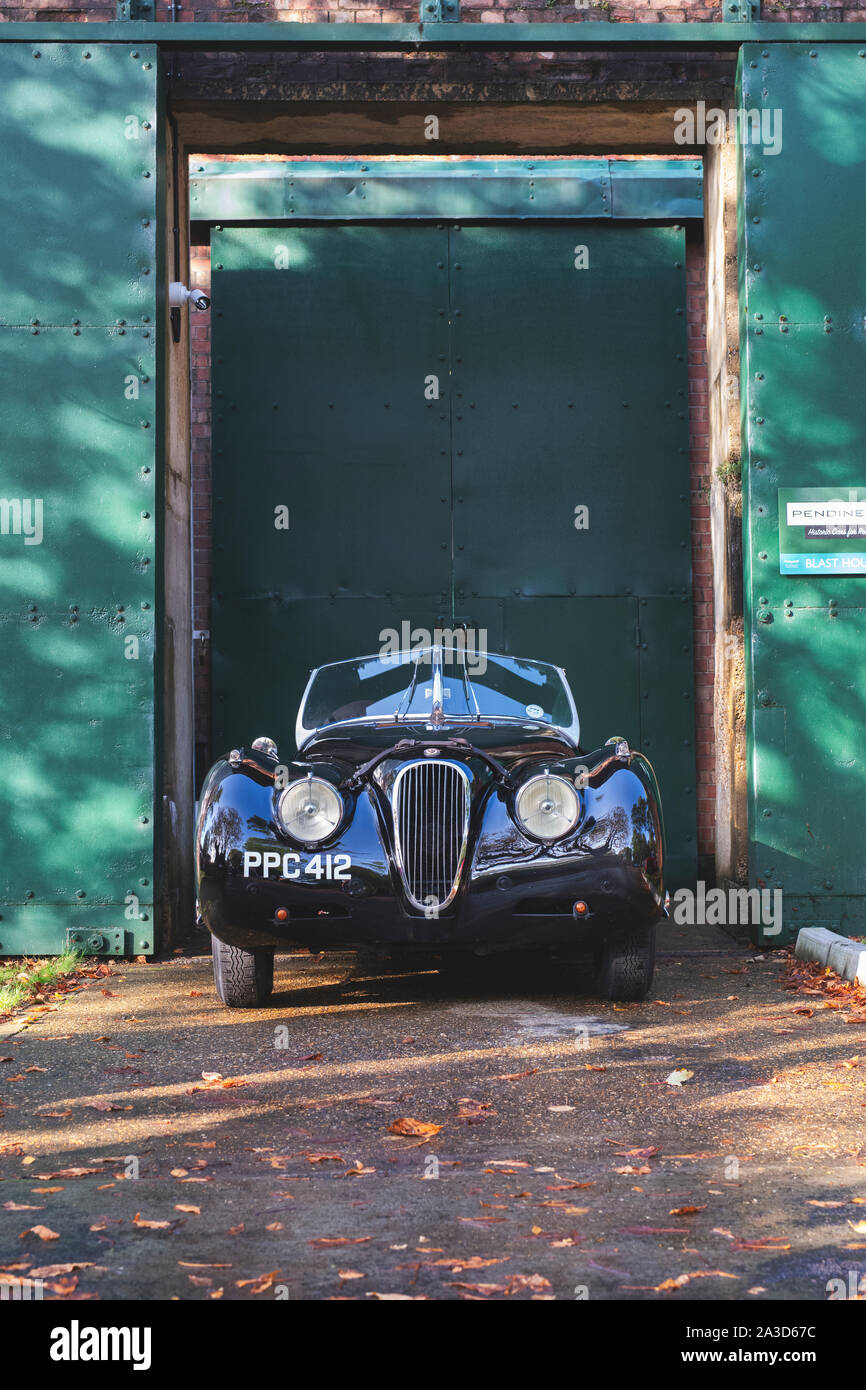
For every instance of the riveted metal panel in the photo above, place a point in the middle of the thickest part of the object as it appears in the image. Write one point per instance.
(79, 482)
(812, 103)
(378, 37)
(78, 135)
(77, 427)
(806, 427)
(809, 807)
(252, 192)
(420, 188)
(645, 188)
(803, 351)
(570, 391)
(84, 777)
(331, 400)
(44, 929)
(432, 188)
(324, 341)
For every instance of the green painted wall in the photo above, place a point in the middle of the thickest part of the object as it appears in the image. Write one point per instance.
(79, 432)
(803, 369)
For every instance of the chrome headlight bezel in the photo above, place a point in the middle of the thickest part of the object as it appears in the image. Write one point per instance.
(295, 829)
(570, 799)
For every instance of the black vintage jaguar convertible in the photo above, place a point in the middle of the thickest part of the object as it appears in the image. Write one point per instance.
(439, 802)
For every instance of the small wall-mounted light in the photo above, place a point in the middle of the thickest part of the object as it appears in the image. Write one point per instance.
(179, 295)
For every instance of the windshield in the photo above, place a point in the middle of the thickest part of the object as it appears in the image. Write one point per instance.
(436, 686)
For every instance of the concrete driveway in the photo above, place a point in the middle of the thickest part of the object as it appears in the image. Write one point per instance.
(170, 1148)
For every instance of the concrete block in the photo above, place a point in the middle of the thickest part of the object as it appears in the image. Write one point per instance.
(839, 953)
(815, 943)
(848, 959)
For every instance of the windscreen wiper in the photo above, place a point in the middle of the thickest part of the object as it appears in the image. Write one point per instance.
(469, 688)
(410, 691)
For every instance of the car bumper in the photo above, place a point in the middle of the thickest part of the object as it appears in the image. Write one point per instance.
(487, 916)
(256, 889)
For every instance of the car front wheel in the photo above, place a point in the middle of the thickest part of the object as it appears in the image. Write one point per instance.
(243, 979)
(625, 965)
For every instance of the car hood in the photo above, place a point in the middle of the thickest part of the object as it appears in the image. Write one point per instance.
(508, 743)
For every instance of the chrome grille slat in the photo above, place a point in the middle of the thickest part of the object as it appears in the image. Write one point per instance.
(431, 821)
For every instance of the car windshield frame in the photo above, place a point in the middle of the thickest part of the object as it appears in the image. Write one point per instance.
(437, 718)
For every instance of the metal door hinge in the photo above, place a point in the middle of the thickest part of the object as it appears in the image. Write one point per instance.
(742, 11)
(440, 11)
(99, 942)
(136, 10)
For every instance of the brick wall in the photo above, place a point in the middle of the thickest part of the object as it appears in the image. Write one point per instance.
(200, 464)
(405, 11)
(702, 555)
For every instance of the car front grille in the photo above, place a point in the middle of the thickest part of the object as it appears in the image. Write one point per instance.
(431, 820)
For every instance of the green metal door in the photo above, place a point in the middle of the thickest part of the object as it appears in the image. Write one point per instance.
(323, 338)
(79, 495)
(571, 475)
(481, 423)
(803, 359)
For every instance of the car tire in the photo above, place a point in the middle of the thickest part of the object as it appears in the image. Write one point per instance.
(243, 979)
(624, 971)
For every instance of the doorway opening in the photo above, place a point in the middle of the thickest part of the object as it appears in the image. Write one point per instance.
(420, 419)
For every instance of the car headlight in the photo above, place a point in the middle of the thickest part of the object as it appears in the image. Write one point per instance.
(310, 810)
(547, 807)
